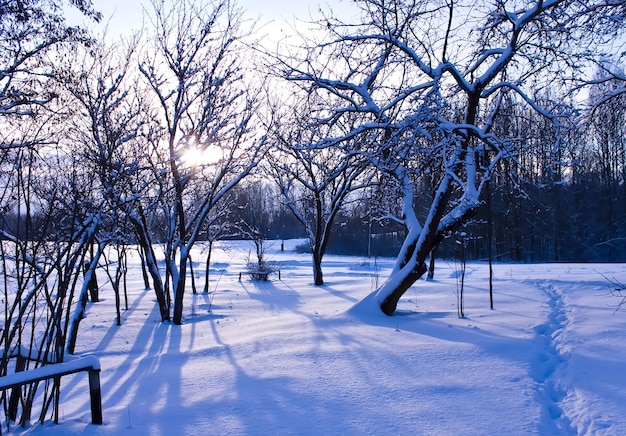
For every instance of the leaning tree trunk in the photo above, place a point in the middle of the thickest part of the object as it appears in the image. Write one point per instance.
(414, 262)
(438, 223)
(150, 259)
(401, 280)
(398, 284)
(79, 313)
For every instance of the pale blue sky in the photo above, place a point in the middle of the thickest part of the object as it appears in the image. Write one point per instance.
(125, 15)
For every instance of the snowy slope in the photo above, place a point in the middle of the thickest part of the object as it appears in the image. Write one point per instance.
(286, 357)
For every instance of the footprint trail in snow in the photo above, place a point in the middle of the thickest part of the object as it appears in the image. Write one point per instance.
(548, 365)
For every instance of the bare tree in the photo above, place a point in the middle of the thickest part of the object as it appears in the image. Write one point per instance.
(48, 222)
(194, 69)
(427, 79)
(29, 30)
(43, 258)
(315, 179)
(605, 20)
(251, 220)
(110, 134)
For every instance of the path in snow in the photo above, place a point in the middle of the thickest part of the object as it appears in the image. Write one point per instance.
(550, 365)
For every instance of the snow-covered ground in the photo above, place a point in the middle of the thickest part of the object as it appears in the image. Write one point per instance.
(286, 357)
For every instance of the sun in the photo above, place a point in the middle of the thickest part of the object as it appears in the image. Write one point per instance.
(197, 156)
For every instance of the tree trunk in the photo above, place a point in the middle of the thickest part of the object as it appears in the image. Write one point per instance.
(79, 313)
(193, 276)
(144, 269)
(207, 272)
(125, 282)
(420, 245)
(179, 288)
(116, 291)
(399, 285)
(431, 267)
(318, 278)
(489, 239)
(401, 279)
(151, 263)
(92, 282)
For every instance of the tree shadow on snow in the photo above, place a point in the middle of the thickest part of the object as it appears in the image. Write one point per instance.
(440, 325)
(271, 296)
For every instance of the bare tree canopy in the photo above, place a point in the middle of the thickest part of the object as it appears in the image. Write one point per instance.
(28, 30)
(428, 80)
(194, 68)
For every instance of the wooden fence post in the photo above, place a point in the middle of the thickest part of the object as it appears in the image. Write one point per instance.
(16, 392)
(95, 395)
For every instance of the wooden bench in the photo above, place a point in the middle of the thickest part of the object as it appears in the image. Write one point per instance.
(89, 363)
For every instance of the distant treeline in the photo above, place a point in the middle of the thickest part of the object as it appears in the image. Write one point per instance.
(582, 220)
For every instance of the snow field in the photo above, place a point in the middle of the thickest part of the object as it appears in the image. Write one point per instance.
(286, 357)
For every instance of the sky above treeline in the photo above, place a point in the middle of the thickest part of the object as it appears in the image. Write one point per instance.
(123, 16)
